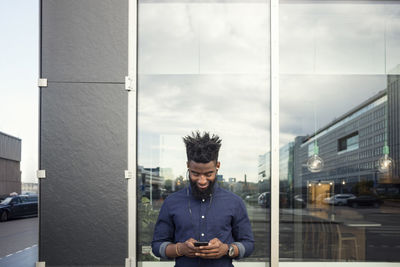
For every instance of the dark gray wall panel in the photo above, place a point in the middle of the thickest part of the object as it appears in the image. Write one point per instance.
(84, 40)
(83, 199)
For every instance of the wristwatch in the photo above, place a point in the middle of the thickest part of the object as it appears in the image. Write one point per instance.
(231, 251)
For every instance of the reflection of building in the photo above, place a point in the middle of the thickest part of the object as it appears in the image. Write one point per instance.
(264, 170)
(10, 158)
(167, 173)
(352, 145)
(30, 188)
(150, 182)
(285, 166)
(393, 92)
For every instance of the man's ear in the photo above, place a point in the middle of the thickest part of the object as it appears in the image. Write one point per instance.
(187, 164)
(218, 164)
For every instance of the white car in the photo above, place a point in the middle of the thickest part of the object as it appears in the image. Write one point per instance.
(339, 199)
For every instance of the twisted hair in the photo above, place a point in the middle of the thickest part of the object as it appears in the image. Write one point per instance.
(202, 148)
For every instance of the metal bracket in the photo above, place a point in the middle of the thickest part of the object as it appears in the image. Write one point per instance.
(129, 83)
(42, 82)
(40, 264)
(40, 174)
(128, 174)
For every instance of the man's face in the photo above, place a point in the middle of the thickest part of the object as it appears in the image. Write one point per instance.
(202, 177)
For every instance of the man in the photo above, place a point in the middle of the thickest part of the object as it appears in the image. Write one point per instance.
(203, 212)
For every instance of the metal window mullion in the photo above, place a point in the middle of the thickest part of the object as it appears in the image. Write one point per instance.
(274, 89)
(132, 130)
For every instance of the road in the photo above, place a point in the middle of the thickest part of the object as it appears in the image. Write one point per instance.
(18, 242)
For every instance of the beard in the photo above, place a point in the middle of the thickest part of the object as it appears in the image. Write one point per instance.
(202, 194)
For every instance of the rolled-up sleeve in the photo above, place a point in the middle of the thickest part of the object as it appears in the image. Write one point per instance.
(241, 230)
(163, 232)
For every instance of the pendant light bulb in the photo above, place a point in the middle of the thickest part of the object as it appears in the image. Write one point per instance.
(385, 163)
(315, 163)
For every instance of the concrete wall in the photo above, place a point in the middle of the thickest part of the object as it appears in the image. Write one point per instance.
(83, 133)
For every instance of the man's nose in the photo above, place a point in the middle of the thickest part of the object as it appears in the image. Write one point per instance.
(203, 179)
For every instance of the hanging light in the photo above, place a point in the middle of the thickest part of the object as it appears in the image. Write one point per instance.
(315, 163)
(385, 162)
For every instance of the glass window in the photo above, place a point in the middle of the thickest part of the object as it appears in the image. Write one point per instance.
(339, 83)
(203, 66)
(6, 201)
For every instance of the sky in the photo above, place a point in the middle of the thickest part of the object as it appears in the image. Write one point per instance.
(205, 67)
(19, 67)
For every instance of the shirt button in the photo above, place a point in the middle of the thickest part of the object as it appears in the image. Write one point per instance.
(202, 216)
(202, 234)
(203, 200)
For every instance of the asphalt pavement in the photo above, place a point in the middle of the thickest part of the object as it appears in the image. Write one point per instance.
(18, 242)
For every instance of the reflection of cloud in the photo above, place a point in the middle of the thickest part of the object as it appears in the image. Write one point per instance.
(339, 38)
(183, 38)
(189, 53)
(235, 107)
(329, 95)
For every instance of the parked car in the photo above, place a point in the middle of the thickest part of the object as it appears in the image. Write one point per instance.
(264, 199)
(18, 206)
(299, 201)
(364, 200)
(339, 199)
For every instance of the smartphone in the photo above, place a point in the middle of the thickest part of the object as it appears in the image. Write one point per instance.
(200, 244)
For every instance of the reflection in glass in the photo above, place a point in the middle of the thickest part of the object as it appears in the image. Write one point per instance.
(385, 163)
(347, 68)
(202, 66)
(315, 163)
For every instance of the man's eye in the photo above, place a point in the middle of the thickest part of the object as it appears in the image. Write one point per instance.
(209, 174)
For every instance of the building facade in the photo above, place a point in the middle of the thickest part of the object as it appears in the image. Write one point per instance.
(10, 161)
(167, 68)
(351, 147)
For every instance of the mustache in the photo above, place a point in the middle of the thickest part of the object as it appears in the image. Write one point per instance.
(200, 194)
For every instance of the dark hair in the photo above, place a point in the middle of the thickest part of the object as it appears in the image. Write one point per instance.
(202, 148)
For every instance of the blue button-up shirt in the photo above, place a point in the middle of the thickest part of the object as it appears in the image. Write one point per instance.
(223, 216)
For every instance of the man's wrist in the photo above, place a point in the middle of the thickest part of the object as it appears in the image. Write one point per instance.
(177, 250)
(232, 251)
(227, 249)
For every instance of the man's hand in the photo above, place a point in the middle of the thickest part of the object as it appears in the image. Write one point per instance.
(187, 249)
(215, 250)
